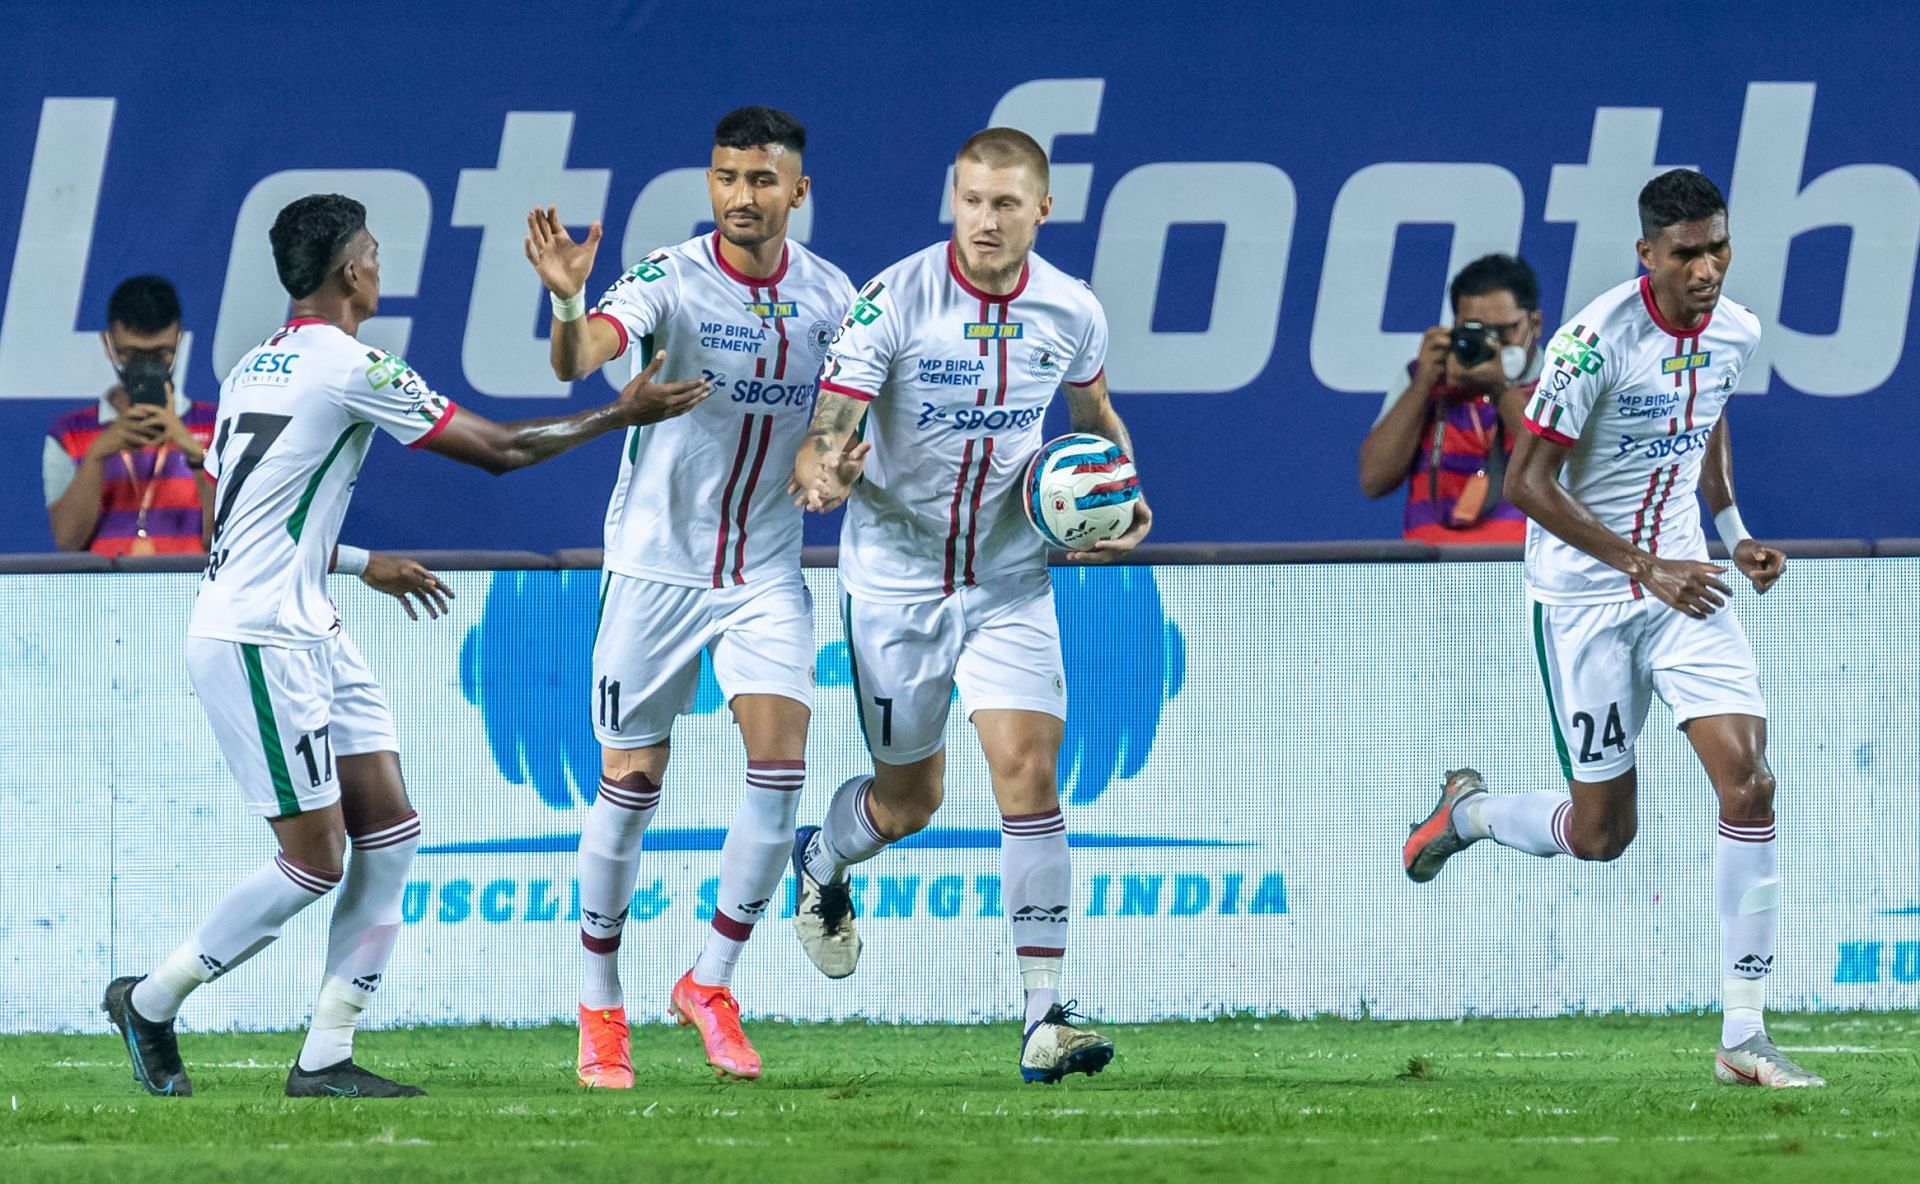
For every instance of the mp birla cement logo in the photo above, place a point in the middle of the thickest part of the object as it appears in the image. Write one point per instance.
(526, 668)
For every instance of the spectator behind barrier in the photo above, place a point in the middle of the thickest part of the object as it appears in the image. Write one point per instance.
(1448, 435)
(123, 476)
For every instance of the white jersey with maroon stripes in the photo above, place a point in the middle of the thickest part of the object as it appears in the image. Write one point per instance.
(1636, 398)
(959, 381)
(702, 499)
(297, 415)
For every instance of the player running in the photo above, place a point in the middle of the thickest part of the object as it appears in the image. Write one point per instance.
(304, 726)
(1626, 424)
(952, 356)
(702, 553)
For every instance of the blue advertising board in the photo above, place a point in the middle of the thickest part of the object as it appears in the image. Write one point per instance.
(1269, 199)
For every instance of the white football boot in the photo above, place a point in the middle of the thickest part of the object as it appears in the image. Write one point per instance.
(1755, 1061)
(823, 915)
(1054, 1047)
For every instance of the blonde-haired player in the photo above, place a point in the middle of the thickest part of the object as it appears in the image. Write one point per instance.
(951, 357)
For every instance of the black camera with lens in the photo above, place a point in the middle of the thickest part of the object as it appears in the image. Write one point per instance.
(1473, 344)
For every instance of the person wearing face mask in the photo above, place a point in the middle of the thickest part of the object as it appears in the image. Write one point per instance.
(124, 476)
(1447, 436)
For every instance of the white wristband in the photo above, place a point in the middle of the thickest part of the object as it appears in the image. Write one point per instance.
(351, 561)
(1733, 532)
(572, 308)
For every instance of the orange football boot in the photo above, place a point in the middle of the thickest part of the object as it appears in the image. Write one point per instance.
(606, 1055)
(714, 1012)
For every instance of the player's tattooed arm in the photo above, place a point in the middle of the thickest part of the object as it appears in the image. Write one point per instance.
(1758, 562)
(1092, 409)
(1533, 487)
(829, 461)
(502, 447)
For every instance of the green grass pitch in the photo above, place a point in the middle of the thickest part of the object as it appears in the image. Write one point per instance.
(1615, 1098)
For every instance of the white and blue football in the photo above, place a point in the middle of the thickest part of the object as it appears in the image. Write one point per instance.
(1080, 489)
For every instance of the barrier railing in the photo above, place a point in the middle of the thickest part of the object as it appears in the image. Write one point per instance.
(1152, 554)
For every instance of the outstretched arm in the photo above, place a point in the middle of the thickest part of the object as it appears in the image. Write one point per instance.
(829, 461)
(502, 447)
(1092, 410)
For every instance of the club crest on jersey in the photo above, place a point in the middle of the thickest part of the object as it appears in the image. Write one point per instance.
(821, 333)
(1574, 351)
(1686, 362)
(1728, 376)
(770, 308)
(992, 331)
(1043, 363)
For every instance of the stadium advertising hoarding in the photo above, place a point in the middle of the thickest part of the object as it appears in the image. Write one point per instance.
(1245, 749)
(1268, 209)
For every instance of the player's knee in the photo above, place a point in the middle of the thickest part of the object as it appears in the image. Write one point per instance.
(1605, 844)
(1028, 776)
(1749, 797)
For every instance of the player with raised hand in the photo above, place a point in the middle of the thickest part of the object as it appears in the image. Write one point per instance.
(303, 724)
(1626, 424)
(702, 553)
(951, 357)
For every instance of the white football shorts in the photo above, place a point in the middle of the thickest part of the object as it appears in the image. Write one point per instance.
(283, 716)
(999, 643)
(1604, 662)
(646, 656)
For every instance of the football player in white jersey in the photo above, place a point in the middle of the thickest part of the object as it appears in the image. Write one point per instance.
(951, 357)
(302, 722)
(702, 553)
(1626, 424)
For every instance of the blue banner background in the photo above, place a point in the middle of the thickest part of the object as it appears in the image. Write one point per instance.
(211, 99)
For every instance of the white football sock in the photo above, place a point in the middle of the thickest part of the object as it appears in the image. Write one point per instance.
(1037, 884)
(1747, 888)
(1536, 823)
(366, 921)
(752, 861)
(609, 861)
(848, 835)
(245, 921)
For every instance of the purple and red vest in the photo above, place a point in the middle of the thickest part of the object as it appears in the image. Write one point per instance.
(1472, 431)
(173, 517)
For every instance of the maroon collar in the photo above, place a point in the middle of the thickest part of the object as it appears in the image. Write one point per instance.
(741, 277)
(953, 266)
(1653, 310)
(297, 322)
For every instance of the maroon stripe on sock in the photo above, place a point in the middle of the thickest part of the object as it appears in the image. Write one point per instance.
(1748, 836)
(731, 929)
(382, 842)
(627, 798)
(1560, 837)
(311, 879)
(1039, 952)
(866, 814)
(379, 828)
(777, 786)
(599, 945)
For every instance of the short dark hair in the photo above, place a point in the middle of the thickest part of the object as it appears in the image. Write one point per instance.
(309, 235)
(1005, 147)
(144, 304)
(1496, 273)
(751, 127)
(1678, 195)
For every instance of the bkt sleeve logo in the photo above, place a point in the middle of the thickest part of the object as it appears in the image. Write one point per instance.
(527, 666)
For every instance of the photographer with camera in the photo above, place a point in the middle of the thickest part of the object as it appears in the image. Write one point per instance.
(123, 476)
(1448, 435)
